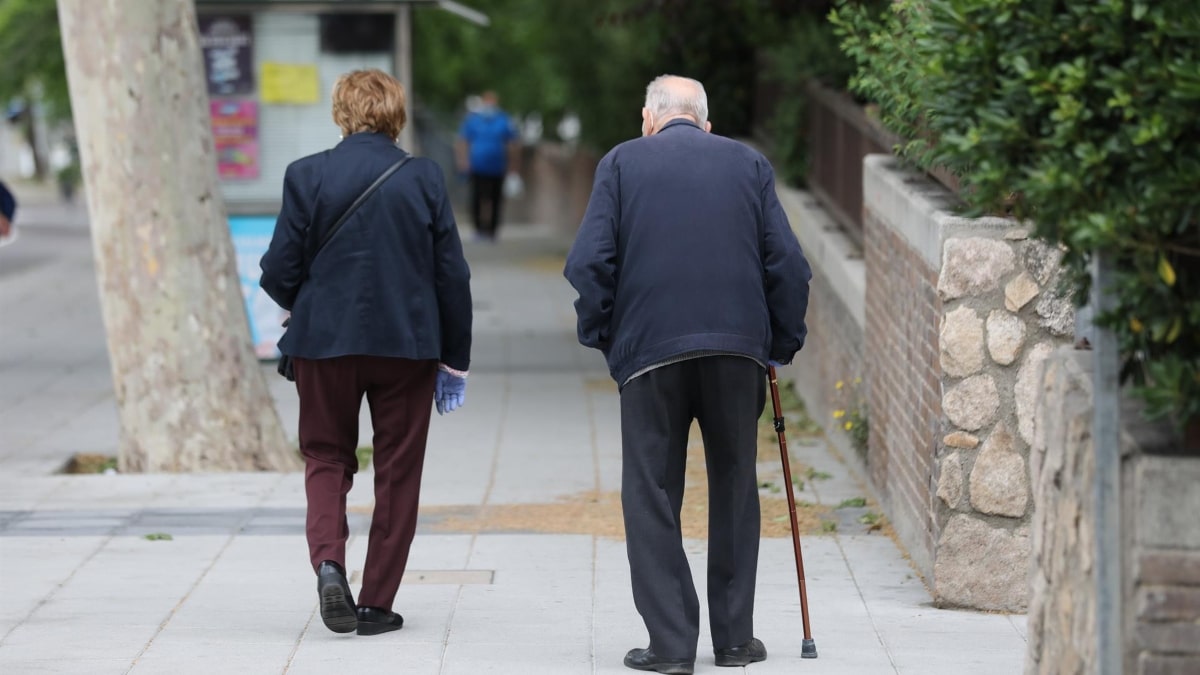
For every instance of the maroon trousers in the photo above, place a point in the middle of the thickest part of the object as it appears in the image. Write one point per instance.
(400, 396)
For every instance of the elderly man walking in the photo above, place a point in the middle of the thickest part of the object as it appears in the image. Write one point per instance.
(690, 282)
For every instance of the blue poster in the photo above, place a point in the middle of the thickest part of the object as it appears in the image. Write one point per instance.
(251, 236)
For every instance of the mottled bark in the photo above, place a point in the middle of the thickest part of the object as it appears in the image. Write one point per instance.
(189, 390)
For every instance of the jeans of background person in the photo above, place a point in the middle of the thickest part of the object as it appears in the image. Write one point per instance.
(487, 195)
(726, 395)
(399, 394)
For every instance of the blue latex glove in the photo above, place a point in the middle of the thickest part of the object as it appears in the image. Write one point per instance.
(449, 392)
(775, 364)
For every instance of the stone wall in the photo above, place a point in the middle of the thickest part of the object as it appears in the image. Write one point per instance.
(947, 321)
(1160, 536)
(960, 315)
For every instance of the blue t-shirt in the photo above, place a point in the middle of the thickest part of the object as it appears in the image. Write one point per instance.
(488, 135)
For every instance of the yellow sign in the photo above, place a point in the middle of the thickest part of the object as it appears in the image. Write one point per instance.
(289, 83)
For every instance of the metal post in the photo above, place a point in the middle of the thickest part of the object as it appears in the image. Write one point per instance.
(1106, 437)
(403, 66)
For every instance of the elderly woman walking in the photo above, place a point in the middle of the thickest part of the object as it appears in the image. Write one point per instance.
(367, 258)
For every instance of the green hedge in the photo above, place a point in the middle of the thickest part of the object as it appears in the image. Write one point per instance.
(1082, 116)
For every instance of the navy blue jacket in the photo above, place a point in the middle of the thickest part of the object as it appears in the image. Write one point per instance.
(8, 203)
(685, 248)
(393, 280)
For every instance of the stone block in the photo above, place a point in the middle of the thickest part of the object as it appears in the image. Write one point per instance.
(1041, 260)
(1168, 567)
(973, 265)
(960, 439)
(973, 403)
(1057, 313)
(1000, 479)
(1026, 392)
(1019, 292)
(982, 567)
(1157, 664)
(1168, 501)
(950, 482)
(961, 342)
(1005, 336)
(1172, 638)
(1168, 603)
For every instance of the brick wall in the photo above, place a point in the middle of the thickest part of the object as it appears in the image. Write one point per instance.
(902, 316)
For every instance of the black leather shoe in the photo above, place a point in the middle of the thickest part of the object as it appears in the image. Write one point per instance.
(337, 603)
(644, 659)
(373, 621)
(751, 651)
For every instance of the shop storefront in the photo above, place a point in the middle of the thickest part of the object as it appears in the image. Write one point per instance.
(271, 66)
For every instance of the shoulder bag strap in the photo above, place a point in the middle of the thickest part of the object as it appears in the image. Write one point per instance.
(357, 203)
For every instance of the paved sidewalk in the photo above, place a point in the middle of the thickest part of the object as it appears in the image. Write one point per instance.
(82, 590)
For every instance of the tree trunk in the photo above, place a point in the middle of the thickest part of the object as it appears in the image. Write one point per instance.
(29, 120)
(190, 393)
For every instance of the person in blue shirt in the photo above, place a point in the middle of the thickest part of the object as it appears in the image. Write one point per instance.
(487, 150)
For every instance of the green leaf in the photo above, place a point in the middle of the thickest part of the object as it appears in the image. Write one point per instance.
(158, 536)
(1165, 271)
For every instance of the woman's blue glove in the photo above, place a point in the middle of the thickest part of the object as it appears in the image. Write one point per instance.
(449, 391)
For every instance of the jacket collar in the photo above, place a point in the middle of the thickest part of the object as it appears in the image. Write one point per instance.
(367, 138)
(677, 123)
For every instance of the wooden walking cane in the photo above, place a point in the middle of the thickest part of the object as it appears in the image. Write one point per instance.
(808, 649)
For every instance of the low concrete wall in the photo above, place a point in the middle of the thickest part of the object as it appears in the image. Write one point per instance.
(833, 352)
(1160, 535)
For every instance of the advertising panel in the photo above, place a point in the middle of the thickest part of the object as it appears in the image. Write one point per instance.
(235, 134)
(228, 46)
(251, 236)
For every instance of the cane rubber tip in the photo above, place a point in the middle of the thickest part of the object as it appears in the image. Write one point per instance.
(808, 649)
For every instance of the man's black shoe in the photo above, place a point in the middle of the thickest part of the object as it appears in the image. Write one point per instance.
(337, 603)
(373, 621)
(751, 651)
(644, 659)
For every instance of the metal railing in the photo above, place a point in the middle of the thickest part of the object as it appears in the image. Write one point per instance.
(840, 134)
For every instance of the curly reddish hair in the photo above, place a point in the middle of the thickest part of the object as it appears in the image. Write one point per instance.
(369, 100)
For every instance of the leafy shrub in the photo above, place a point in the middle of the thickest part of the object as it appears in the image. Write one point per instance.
(1080, 116)
(798, 49)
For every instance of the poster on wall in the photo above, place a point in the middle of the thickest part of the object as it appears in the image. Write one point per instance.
(251, 236)
(294, 83)
(235, 135)
(228, 46)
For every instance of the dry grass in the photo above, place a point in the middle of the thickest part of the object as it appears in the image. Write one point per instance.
(599, 513)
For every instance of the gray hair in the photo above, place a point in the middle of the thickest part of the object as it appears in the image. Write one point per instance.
(674, 95)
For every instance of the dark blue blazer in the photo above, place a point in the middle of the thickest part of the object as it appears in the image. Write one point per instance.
(685, 249)
(393, 280)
